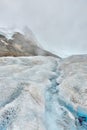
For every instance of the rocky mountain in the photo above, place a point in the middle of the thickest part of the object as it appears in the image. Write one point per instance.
(41, 92)
(21, 45)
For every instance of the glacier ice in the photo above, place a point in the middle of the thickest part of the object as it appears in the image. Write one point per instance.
(42, 93)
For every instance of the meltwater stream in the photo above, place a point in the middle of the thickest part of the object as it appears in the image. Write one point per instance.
(52, 112)
(58, 115)
(51, 106)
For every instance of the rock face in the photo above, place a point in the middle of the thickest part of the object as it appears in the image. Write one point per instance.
(43, 93)
(21, 45)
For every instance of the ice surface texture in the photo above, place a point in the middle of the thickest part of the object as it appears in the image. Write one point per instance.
(42, 93)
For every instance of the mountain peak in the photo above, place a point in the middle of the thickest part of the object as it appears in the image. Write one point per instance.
(14, 42)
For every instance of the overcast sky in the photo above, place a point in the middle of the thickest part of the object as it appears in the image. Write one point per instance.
(59, 25)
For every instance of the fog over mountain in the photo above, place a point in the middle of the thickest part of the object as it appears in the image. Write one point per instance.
(20, 43)
(59, 25)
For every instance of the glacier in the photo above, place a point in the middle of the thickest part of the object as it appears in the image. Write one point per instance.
(43, 93)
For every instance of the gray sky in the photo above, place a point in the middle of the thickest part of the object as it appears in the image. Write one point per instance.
(59, 25)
